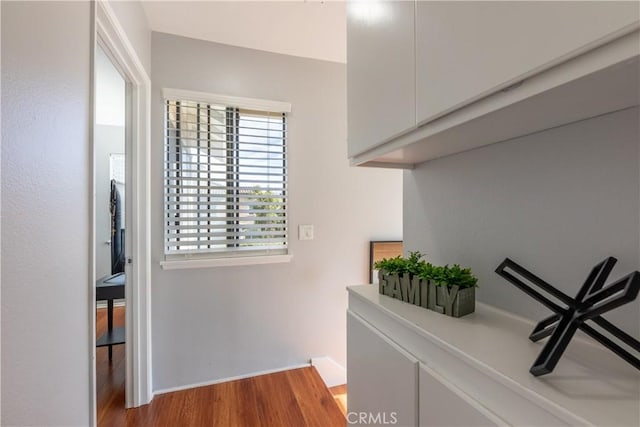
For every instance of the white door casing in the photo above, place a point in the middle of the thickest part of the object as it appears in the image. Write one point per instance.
(110, 35)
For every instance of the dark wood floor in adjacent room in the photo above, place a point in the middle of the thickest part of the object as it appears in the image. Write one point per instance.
(297, 397)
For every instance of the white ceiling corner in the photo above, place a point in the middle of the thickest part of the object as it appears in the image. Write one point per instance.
(311, 29)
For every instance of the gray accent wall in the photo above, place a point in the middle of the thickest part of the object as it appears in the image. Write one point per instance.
(558, 202)
(216, 323)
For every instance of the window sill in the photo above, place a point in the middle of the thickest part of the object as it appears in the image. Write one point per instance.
(224, 262)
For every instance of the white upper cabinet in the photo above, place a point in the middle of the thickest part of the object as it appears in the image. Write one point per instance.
(380, 72)
(467, 50)
(429, 79)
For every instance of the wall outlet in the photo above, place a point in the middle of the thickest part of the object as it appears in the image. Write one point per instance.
(305, 232)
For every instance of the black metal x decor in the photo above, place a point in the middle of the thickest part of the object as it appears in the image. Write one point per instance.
(592, 300)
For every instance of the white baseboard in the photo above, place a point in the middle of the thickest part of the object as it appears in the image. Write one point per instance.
(332, 372)
(224, 380)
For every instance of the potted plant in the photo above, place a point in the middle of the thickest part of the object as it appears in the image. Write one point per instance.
(444, 289)
(451, 289)
(400, 277)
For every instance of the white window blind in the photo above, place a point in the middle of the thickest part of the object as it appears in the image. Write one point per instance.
(225, 177)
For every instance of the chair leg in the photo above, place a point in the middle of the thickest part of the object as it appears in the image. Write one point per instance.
(110, 324)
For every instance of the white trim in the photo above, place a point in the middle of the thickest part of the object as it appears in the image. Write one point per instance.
(331, 372)
(231, 101)
(113, 39)
(93, 399)
(224, 262)
(224, 380)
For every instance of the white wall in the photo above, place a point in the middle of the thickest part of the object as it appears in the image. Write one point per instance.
(110, 92)
(46, 199)
(216, 323)
(45, 213)
(109, 139)
(558, 202)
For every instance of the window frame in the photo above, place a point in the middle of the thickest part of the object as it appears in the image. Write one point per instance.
(233, 105)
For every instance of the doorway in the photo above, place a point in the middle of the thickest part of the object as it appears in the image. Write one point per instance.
(112, 213)
(110, 37)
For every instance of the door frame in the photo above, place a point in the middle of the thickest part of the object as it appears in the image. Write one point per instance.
(109, 34)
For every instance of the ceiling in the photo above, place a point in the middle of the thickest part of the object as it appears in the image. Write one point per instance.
(311, 29)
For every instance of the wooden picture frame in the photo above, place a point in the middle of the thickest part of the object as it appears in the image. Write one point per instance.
(379, 249)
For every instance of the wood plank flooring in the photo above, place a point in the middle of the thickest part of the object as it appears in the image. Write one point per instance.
(297, 397)
(339, 393)
(110, 377)
(292, 398)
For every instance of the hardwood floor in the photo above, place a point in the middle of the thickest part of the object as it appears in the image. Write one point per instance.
(339, 393)
(297, 397)
(110, 377)
(291, 398)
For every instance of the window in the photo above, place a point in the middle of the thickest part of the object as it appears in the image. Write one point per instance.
(225, 176)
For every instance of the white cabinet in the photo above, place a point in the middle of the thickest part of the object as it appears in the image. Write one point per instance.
(380, 72)
(382, 378)
(467, 50)
(430, 79)
(442, 405)
(474, 371)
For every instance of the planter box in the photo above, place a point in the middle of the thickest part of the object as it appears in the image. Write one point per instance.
(404, 287)
(451, 301)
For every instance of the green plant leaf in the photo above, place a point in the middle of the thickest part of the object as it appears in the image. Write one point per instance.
(446, 275)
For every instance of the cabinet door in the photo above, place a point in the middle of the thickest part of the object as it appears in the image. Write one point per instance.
(380, 72)
(382, 379)
(441, 406)
(465, 50)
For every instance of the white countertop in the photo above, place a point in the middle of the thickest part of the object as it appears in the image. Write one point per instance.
(589, 381)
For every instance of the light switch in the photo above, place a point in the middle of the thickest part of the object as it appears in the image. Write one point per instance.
(305, 232)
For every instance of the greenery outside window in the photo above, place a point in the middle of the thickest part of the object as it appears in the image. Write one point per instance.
(225, 176)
